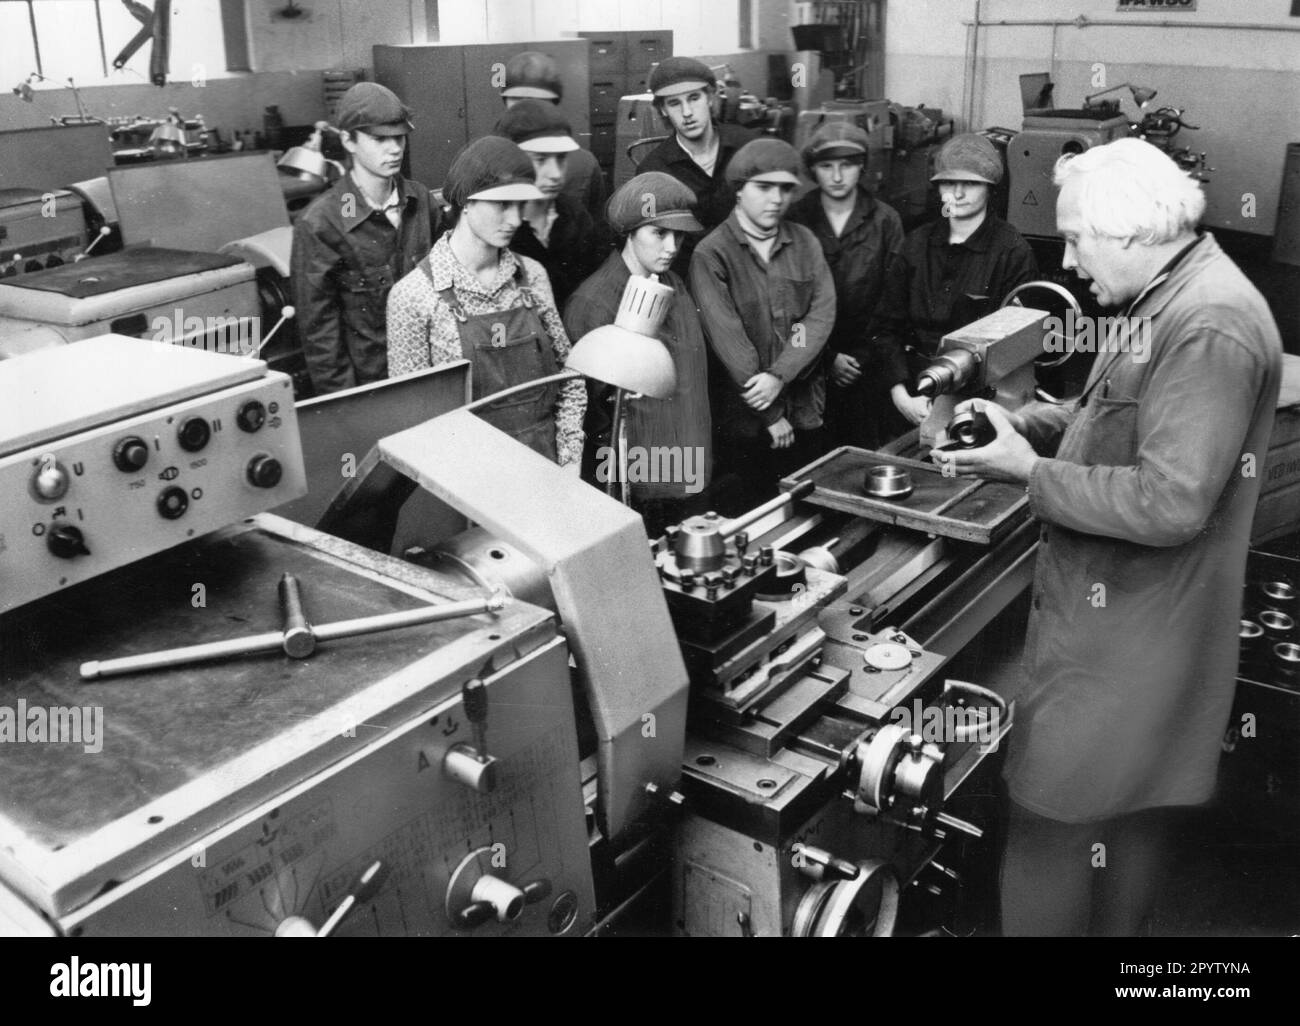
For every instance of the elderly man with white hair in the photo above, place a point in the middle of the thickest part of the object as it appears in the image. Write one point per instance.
(1145, 487)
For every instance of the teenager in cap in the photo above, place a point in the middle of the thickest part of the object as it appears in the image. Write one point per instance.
(651, 216)
(699, 150)
(556, 232)
(767, 300)
(534, 76)
(950, 272)
(355, 240)
(859, 235)
(473, 298)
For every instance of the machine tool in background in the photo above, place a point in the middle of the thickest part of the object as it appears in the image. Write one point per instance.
(1050, 133)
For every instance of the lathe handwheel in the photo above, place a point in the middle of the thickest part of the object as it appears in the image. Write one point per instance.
(1060, 290)
(836, 909)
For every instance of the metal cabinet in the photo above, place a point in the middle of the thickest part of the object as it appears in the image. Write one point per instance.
(455, 94)
(620, 64)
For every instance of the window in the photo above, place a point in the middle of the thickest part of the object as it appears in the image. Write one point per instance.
(78, 39)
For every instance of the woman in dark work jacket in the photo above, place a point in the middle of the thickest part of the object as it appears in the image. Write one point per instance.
(651, 214)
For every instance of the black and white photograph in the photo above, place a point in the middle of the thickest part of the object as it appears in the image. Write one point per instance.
(646, 469)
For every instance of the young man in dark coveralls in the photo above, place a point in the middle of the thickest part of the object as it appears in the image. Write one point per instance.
(949, 273)
(699, 150)
(859, 236)
(767, 301)
(355, 241)
(1145, 490)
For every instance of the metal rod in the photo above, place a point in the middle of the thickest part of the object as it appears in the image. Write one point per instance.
(759, 512)
(271, 641)
(613, 437)
(299, 641)
(1085, 22)
(252, 645)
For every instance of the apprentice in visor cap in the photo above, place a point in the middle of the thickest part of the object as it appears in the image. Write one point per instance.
(949, 273)
(859, 235)
(699, 150)
(556, 232)
(1146, 506)
(356, 240)
(472, 298)
(534, 76)
(767, 301)
(651, 216)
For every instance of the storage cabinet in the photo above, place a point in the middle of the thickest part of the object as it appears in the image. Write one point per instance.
(620, 65)
(455, 92)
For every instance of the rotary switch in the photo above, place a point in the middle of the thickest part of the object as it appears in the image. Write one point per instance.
(264, 471)
(66, 542)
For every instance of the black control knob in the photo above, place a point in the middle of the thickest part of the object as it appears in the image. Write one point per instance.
(66, 541)
(173, 502)
(251, 416)
(130, 454)
(264, 471)
(194, 434)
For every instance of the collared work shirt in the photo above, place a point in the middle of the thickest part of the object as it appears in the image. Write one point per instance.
(422, 330)
(933, 287)
(857, 257)
(346, 257)
(571, 251)
(1131, 654)
(772, 316)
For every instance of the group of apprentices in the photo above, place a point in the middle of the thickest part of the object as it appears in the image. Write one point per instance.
(797, 326)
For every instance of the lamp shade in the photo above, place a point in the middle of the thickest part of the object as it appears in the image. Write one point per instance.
(627, 353)
(1142, 95)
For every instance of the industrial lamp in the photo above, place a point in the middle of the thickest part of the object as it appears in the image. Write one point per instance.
(626, 354)
(1141, 94)
(308, 162)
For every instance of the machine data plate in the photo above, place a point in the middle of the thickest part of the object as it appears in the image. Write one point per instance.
(968, 509)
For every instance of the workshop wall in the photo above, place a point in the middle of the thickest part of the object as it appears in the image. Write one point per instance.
(1242, 86)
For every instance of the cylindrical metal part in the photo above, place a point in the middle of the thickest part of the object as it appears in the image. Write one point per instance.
(1278, 626)
(506, 898)
(299, 642)
(269, 642)
(730, 527)
(948, 373)
(462, 764)
(644, 306)
(1277, 594)
(491, 563)
(407, 618)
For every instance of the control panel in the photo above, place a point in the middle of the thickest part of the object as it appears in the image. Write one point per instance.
(112, 449)
(39, 230)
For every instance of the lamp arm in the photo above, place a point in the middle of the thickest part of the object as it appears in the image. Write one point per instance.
(565, 375)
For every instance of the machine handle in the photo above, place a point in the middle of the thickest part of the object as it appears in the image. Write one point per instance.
(1061, 291)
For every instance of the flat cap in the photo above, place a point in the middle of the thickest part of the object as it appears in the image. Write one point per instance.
(533, 75)
(536, 127)
(766, 159)
(836, 139)
(375, 108)
(490, 168)
(967, 158)
(652, 198)
(680, 75)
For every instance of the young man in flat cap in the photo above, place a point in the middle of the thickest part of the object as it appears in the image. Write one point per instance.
(474, 299)
(859, 236)
(949, 272)
(534, 76)
(355, 241)
(699, 150)
(556, 232)
(767, 300)
(651, 215)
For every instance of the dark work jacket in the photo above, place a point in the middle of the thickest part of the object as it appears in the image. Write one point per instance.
(714, 196)
(573, 251)
(932, 288)
(680, 422)
(346, 257)
(857, 258)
